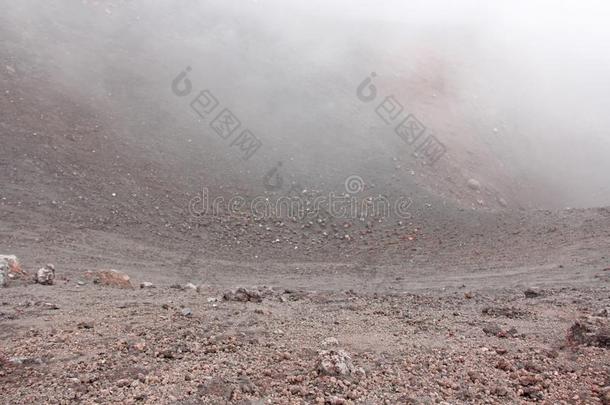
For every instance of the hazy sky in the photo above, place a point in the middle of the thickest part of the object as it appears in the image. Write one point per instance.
(528, 80)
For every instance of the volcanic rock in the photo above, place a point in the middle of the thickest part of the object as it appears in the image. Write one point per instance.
(3, 274)
(243, 295)
(474, 184)
(46, 275)
(590, 332)
(335, 363)
(9, 268)
(109, 278)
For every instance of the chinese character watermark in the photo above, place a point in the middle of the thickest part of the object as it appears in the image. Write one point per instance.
(225, 124)
(409, 129)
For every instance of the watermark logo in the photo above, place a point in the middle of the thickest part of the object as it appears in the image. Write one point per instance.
(406, 125)
(354, 184)
(225, 123)
(273, 180)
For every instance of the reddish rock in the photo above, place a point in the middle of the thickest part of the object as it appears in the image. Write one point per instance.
(590, 332)
(9, 269)
(109, 278)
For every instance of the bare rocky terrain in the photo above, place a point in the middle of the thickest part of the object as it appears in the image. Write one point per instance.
(467, 323)
(468, 344)
(119, 294)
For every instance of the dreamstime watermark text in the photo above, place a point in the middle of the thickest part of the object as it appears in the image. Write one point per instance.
(346, 205)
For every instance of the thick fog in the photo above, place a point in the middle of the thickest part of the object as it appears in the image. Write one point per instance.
(519, 88)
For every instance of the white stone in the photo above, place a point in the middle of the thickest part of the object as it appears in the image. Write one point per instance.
(46, 275)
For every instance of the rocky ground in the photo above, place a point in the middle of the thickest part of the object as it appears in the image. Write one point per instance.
(511, 308)
(472, 298)
(101, 338)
